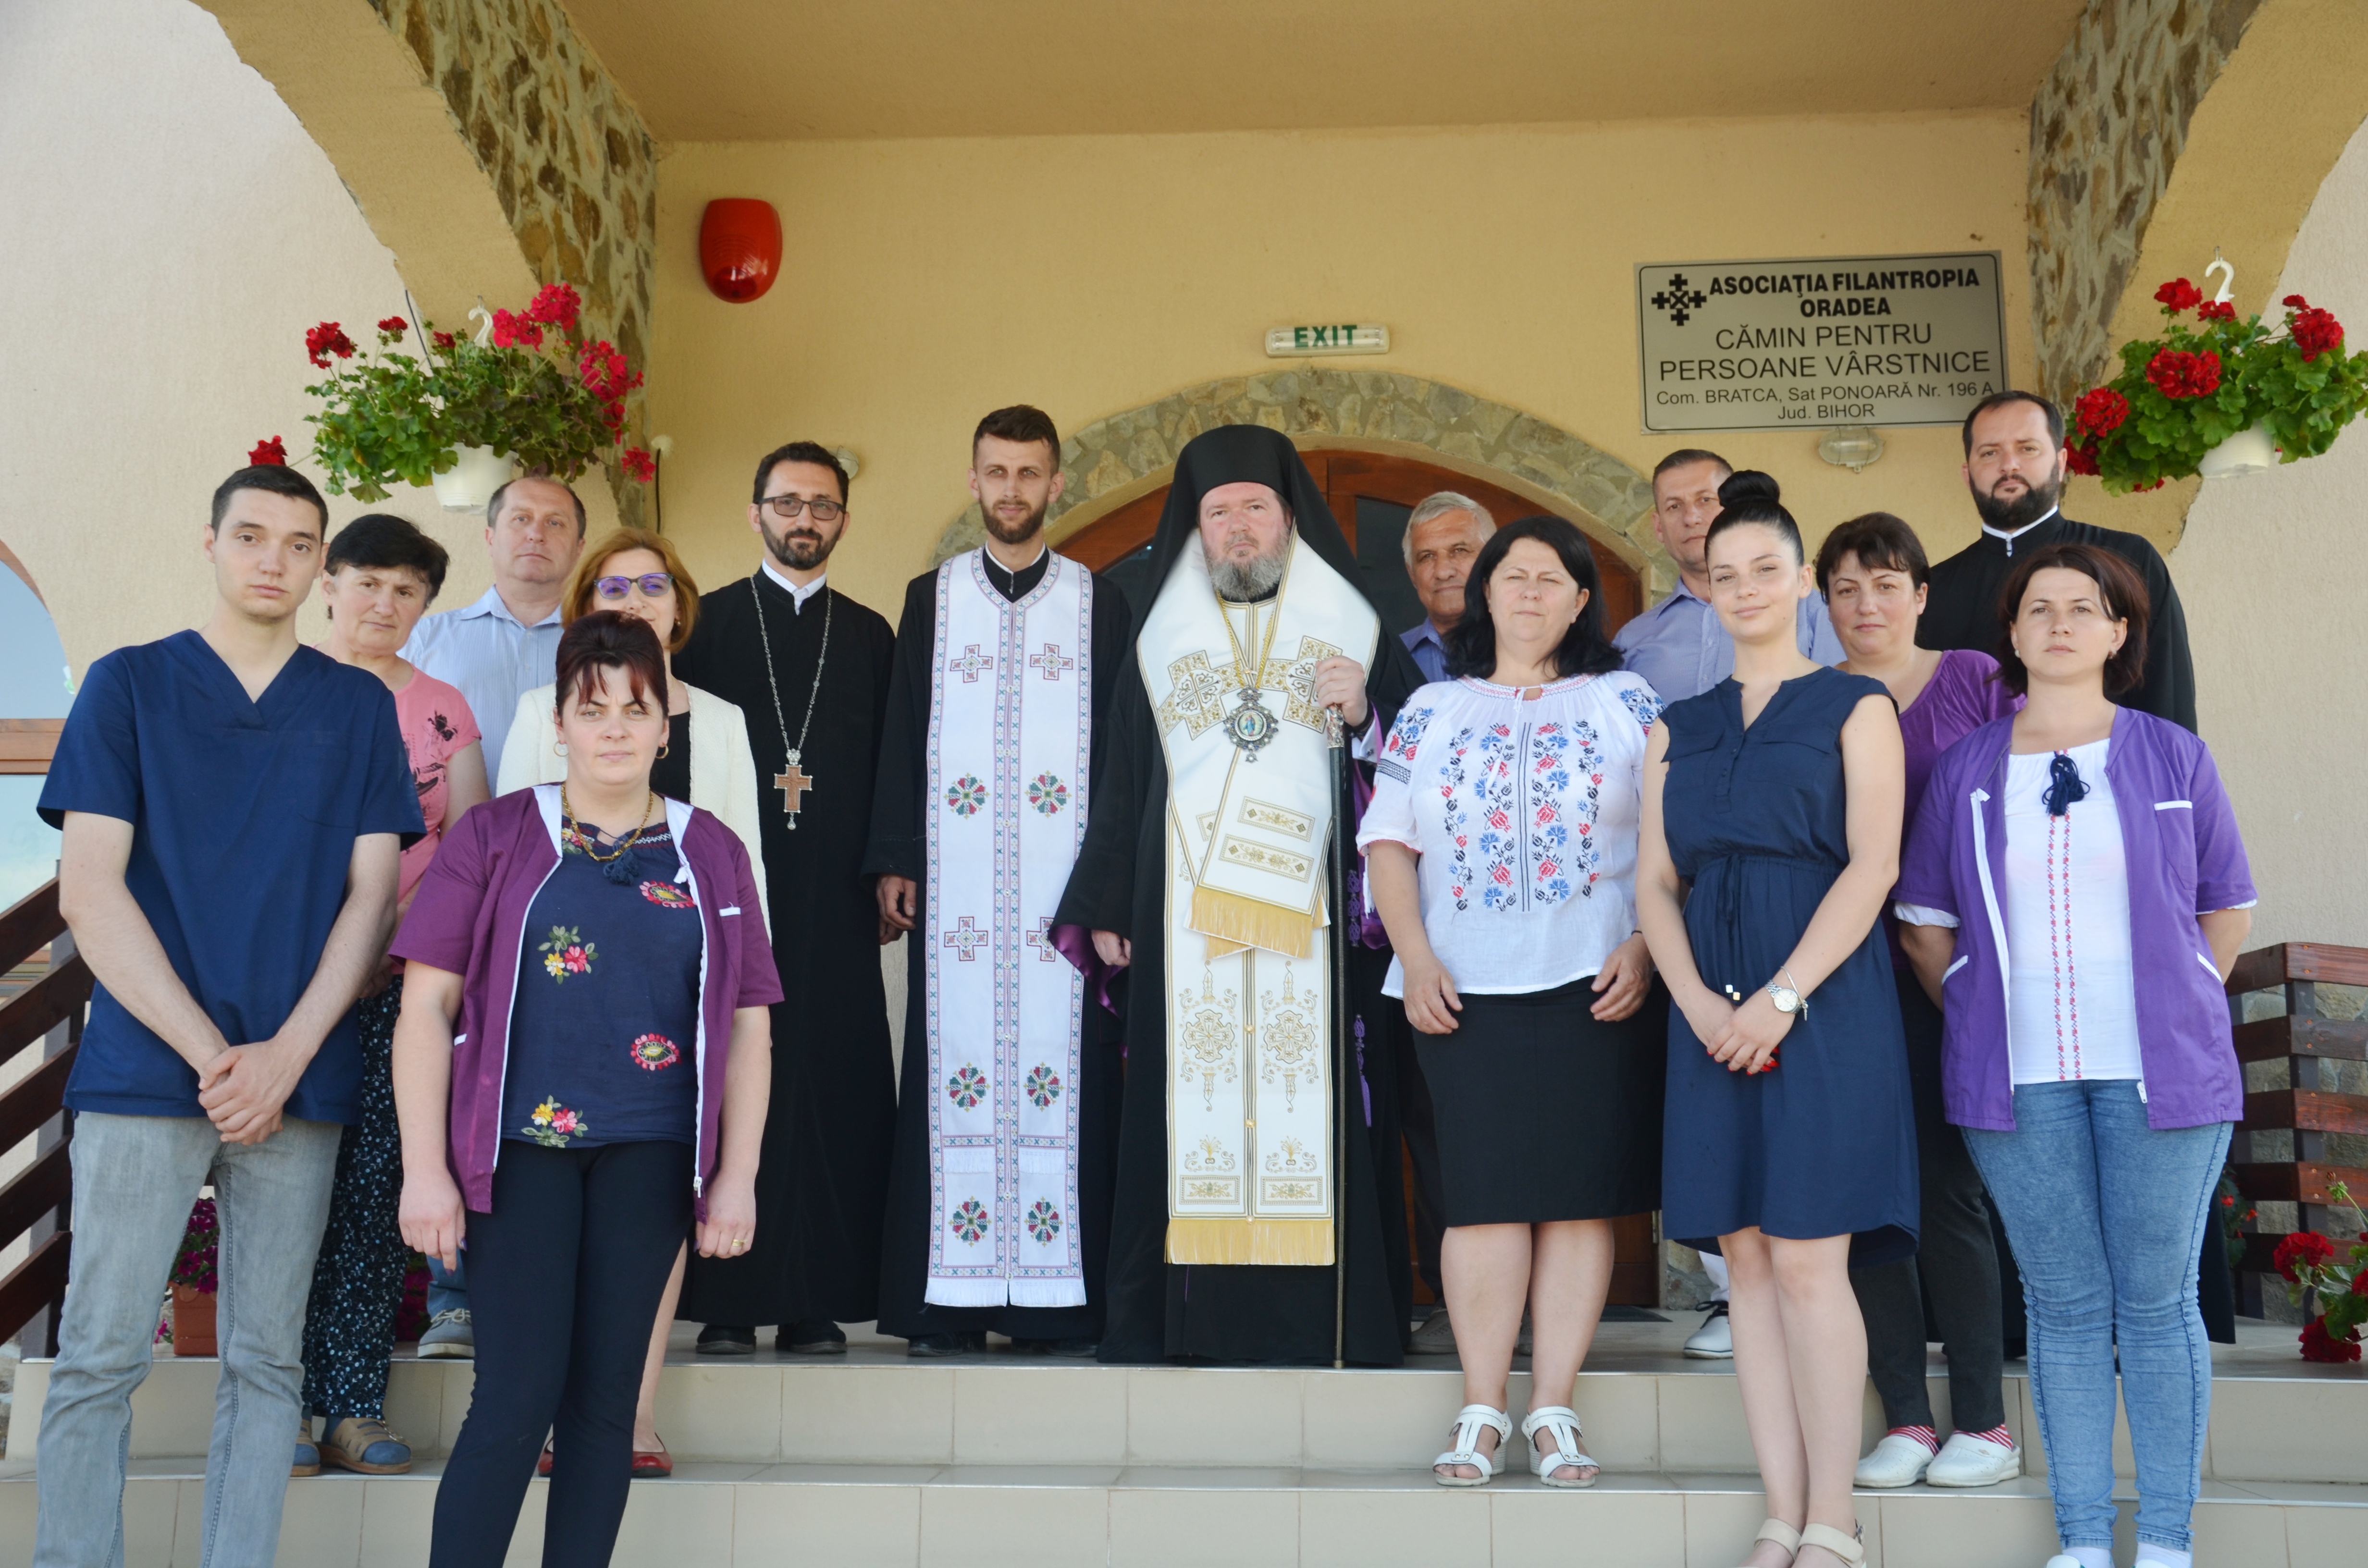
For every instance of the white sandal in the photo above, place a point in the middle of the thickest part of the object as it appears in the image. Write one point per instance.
(1780, 1532)
(1563, 1421)
(1468, 1422)
(1851, 1548)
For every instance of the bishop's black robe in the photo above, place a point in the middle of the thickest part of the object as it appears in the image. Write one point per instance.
(899, 848)
(824, 1171)
(1247, 1315)
(1962, 611)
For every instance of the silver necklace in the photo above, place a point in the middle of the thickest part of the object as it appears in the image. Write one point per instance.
(793, 781)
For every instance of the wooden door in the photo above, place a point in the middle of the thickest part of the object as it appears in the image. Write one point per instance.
(1370, 494)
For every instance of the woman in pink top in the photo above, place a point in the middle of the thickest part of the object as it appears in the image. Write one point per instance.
(1872, 572)
(382, 574)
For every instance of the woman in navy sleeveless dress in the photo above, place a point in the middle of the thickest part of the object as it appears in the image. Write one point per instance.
(1788, 1139)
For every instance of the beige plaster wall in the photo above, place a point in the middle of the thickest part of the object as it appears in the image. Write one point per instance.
(2274, 577)
(928, 281)
(172, 231)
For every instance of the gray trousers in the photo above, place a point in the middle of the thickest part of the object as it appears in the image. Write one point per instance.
(135, 1178)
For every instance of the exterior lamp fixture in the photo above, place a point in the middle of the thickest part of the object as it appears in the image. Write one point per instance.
(1853, 447)
(739, 248)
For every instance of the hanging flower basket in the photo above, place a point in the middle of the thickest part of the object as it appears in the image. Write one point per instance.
(527, 388)
(2218, 397)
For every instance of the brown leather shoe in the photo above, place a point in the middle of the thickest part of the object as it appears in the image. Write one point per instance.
(366, 1445)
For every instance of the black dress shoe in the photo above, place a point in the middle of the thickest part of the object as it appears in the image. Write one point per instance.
(1074, 1349)
(810, 1336)
(724, 1339)
(928, 1346)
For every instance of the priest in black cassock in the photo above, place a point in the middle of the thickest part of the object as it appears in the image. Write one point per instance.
(808, 668)
(998, 1197)
(2015, 465)
(1205, 871)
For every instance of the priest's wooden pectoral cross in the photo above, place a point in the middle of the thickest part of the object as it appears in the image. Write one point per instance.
(792, 782)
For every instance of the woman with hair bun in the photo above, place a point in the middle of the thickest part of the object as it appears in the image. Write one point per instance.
(1777, 793)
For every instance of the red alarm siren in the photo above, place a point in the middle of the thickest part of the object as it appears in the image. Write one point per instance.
(739, 248)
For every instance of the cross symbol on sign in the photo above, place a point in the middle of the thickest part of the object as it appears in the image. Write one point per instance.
(1041, 939)
(1678, 301)
(968, 937)
(1050, 662)
(971, 664)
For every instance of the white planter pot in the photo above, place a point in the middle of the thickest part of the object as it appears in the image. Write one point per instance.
(469, 484)
(2247, 452)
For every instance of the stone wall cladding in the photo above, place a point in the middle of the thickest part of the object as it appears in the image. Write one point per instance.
(2106, 128)
(1111, 454)
(566, 152)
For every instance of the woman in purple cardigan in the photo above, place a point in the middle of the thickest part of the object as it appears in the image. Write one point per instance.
(2074, 893)
(581, 1069)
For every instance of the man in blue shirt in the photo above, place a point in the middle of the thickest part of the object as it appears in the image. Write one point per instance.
(232, 806)
(495, 651)
(1679, 645)
(1443, 535)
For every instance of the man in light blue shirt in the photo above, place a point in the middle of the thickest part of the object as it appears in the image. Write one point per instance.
(506, 643)
(1443, 536)
(1679, 645)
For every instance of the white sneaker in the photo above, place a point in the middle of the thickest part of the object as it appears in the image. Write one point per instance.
(1897, 1461)
(1714, 1340)
(1967, 1460)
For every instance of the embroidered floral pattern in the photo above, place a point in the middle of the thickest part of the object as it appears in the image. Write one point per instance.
(1549, 836)
(653, 1051)
(1494, 792)
(1044, 1223)
(553, 1125)
(966, 796)
(670, 896)
(1406, 733)
(1047, 794)
(1043, 1087)
(567, 953)
(966, 1087)
(1643, 704)
(971, 1222)
(1519, 810)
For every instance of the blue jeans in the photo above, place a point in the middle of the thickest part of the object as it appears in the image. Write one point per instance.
(2107, 1219)
(448, 1288)
(135, 1178)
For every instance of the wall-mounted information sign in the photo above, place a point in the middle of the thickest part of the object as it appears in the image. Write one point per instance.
(1342, 338)
(1852, 340)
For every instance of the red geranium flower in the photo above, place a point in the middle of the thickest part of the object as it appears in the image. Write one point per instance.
(2179, 295)
(2317, 331)
(326, 339)
(272, 453)
(638, 465)
(2295, 301)
(2216, 310)
(604, 369)
(443, 339)
(2082, 459)
(2101, 411)
(555, 305)
(2178, 374)
(2318, 1344)
(512, 330)
(2305, 1249)
(393, 326)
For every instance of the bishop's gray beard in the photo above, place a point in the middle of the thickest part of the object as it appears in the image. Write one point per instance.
(1242, 582)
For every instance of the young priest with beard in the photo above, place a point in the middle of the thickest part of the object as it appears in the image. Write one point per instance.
(998, 1195)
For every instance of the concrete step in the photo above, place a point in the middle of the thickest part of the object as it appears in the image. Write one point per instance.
(921, 1516)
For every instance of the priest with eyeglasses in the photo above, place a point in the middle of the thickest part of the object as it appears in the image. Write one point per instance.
(1256, 1185)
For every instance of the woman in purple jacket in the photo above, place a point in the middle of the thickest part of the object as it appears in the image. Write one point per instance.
(2074, 893)
(602, 953)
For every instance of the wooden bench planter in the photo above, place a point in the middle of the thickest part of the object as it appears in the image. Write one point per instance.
(2280, 1152)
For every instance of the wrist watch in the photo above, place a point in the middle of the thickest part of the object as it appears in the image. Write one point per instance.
(1786, 998)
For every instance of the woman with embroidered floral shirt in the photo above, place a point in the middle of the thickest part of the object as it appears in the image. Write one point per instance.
(601, 952)
(1502, 843)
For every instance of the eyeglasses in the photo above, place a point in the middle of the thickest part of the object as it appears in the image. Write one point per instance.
(654, 585)
(788, 506)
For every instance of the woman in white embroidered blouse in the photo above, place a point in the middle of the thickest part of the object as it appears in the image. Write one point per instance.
(1502, 843)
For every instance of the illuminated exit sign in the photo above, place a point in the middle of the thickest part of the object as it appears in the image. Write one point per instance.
(1343, 337)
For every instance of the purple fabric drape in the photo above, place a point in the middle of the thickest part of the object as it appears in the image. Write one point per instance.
(1076, 943)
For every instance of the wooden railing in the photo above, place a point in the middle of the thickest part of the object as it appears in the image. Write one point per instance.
(40, 1202)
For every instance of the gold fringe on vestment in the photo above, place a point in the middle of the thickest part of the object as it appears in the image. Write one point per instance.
(1248, 923)
(1306, 1243)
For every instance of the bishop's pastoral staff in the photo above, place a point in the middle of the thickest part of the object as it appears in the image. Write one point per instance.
(1205, 868)
(998, 1196)
(808, 668)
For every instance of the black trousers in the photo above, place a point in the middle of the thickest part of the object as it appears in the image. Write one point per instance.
(565, 1277)
(357, 1278)
(1955, 1266)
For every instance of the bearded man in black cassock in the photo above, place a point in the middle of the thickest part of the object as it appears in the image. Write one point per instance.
(1206, 873)
(998, 1196)
(808, 668)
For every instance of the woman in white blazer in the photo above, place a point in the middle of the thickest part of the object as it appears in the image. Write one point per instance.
(706, 762)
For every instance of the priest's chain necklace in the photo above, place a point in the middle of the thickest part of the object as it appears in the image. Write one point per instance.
(1251, 727)
(794, 780)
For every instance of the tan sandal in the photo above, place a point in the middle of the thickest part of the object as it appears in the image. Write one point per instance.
(1780, 1532)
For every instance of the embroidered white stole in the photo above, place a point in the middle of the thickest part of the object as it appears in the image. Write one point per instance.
(1011, 732)
(1250, 1088)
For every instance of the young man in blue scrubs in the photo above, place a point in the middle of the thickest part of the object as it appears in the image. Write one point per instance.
(232, 805)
